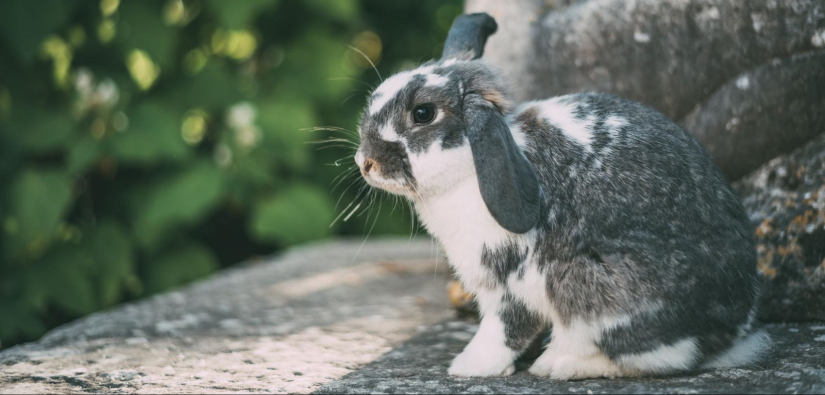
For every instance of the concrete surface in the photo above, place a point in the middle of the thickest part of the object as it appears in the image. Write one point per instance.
(327, 318)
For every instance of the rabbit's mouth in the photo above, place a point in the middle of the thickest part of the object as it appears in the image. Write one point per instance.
(395, 186)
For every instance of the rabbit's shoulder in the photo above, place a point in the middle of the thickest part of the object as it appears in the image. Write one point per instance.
(587, 123)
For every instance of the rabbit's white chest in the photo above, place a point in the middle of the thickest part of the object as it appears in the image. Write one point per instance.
(459, 219)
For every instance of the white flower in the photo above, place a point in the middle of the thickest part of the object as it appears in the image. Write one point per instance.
(241, 115)
(107, 93)
(83, 80)
(247, 136)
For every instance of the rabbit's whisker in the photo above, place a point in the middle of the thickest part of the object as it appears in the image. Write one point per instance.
(332, 140)
(368, 60)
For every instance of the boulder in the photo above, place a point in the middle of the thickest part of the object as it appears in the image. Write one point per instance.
(676, 56)
(786, 202)
(772, 108)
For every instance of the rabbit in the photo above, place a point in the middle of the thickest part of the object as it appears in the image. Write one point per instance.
(592, 216)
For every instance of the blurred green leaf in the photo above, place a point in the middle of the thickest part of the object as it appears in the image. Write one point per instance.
(180, 199)
(24, 26)
(298, 214)
(282, 120)
(18, 318)
(314, 62)
(147, 32)
(153, 136)
(112, 251)
(344, 10)
(11, 157)
(214, 86)
(38, 129)
(64, 271)
(83, 154)
(38, 201)
(238, 14)
(179, 265)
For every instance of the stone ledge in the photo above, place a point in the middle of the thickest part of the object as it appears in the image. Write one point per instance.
(289, 324)
(319, 320)
(794, 365)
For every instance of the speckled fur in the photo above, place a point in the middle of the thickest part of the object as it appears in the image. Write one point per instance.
(642, 261)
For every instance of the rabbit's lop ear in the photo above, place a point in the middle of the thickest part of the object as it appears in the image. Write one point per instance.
(467, 37)
(506, 179)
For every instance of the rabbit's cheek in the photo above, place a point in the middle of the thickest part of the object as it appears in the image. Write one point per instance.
(436, 168)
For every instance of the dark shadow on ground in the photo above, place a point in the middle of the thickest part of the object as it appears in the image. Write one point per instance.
(796, 364)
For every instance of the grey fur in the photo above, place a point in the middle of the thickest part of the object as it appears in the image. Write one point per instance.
(506, 179)
(655, 225)
(468, 35)
(520, 324)
(503, 260)
(640, 223)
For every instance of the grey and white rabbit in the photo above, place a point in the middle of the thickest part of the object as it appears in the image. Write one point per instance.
(591, 214)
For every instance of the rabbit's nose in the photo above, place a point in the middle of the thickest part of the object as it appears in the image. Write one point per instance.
(368, 165)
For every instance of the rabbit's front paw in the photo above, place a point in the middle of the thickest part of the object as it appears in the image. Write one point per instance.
(573, 367)
(475, 362)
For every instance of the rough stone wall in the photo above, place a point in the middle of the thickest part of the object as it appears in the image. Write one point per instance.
(786, 202)
(670, 54)
(778, 105)
(747, 78)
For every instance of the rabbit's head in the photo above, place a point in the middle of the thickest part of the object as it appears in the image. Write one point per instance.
(442, 124)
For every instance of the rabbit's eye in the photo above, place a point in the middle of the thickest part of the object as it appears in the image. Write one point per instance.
(424, 113)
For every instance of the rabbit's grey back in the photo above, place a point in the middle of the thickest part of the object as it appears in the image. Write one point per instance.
(638, 220)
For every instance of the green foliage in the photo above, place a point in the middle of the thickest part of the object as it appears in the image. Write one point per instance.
(180, 265)
(174, 200)
(146, 143)
(298, 214)
(153, 136)
(37, 202)
(39, 129)
(24, 26)
(236, 15)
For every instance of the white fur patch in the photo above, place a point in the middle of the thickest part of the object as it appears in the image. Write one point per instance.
(436, 80)
(531, 287)
(745, 351)
(387, 133)
(437, 170)
(678, 356)
(614, 123)
(580, 337)
(518, 136)
(360, 158)
(450, 206)
(460, 220)
(487, 354)
(573, 353)
(574, 367)
(391, 86)
(560, 113)
(388, 89)
(745, 328)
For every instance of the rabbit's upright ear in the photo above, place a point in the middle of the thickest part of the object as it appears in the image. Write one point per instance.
(467, 36)
(506, 179)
